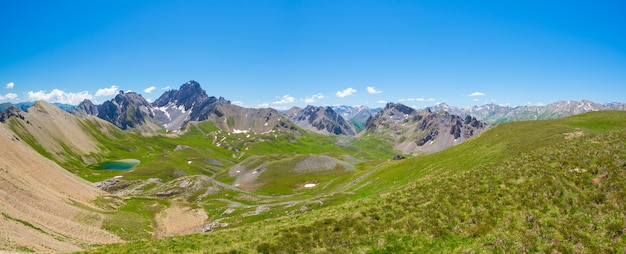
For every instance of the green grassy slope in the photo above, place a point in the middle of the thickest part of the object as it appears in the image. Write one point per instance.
(537, 186)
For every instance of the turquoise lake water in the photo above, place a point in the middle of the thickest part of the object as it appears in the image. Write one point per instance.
(125, 164)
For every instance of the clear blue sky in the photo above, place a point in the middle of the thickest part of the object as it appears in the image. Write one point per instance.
(286, 53)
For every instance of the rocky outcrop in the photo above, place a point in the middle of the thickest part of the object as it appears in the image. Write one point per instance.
(10, 112)
(323, 120)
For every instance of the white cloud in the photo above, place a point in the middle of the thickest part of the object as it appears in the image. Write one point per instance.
(10, 85)
(149, 89)
(165, 88)
(59, 96)
(372, 90)
(430, 99)
(284, 100)
(9, 96)
(382, 102)
(476, 94)
(346, 92)
(107, 91)
(238, 103)
(264, 105)
(314, 98)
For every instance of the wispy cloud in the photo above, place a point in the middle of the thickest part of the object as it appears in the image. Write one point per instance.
(9, 96)
(477, 94)
(314, 98)
(382, 102)
(284, 100)
(59, 96)
(149, 89)
(264, 105)
(372, 90)
(346, 92)
(107, 91)
(165, 88)
(238, 103)
(10, 85)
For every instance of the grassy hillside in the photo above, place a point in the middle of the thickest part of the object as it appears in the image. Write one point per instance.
(537, 186)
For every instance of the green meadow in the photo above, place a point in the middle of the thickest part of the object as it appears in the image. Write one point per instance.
(551, 186)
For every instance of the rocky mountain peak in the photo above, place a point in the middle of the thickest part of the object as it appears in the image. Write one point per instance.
(322, 120)
(422, 131)
(399, 108)
(189, 103)
(86, 108)
(126, 110)
(187, 96)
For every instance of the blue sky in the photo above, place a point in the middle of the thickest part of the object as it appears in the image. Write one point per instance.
(292, 53)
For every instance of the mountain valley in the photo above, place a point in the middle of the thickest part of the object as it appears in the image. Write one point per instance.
(205, 175)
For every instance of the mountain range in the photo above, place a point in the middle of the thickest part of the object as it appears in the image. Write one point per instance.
(421, 132)
(175, 108)
(411, 130)
(494, 114)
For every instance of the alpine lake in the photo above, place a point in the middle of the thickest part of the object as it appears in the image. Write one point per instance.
(125, 164)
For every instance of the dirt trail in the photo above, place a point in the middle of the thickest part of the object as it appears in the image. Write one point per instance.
(39, 203)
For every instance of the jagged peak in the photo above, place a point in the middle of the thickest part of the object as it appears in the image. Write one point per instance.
(192, 86)
(400, 107)
(85, 102)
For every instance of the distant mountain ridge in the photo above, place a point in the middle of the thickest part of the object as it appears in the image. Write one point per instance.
(422, 131)
(25, 105)
(323, 120)
(493, 114)
(356, 115)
